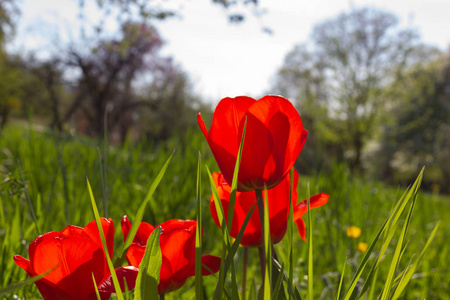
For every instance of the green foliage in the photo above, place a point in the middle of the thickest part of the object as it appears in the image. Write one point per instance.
(105, 247)
(418, 131)
(148, 277)
(10, 84)
(340, 80)
(54, 169)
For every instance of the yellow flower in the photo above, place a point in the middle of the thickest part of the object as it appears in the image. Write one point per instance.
(362, 247)
(353, 232)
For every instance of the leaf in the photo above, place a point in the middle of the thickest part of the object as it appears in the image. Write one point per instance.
(105, 247)
(149, 268)
(198, 237)
(310, 250)
(402, 285)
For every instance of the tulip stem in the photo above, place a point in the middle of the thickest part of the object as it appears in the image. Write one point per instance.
(162, 296)
(262, 262)
(244, 273)
(262, 251)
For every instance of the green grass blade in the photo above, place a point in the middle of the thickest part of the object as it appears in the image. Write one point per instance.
(149, 268)
(397, 255)
(105, 248)
(218, 294)
(140, 213)
(310, 249)
(198, 237)
(226, 226)
(238, 239)
(371, 295)
(291, 288)
(391, 221)
(97, 293)
(277, 288)
(102, 162)
(363, 263)
(403, 283)
(231, 205)
(290, 233)
(341, 280)
(235, 179)
(29, 202)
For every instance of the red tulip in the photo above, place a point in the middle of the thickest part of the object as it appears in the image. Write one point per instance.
(273, 140)
(177, 242)
(278, 210)
(74, 254)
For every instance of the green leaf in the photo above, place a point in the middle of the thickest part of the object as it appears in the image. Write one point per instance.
(403, 283)
(342, 280)
(231, 205)
(290, 233)
(198, 237)
(389, 226)
(226, 227)
(149, 268)
(105, 247)
(397, 255)
(310, 249)
(277, 287)
(97, 293)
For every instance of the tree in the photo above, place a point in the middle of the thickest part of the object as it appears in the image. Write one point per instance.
(9, 75)
(340, 74)
(8, 10)
(10, 91)
(144, 10)
(109, 72)
(120, 79)
(418, 133)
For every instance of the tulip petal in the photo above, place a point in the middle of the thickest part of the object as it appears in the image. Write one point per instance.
(256, 153)
(48, 290)
(144, 231)
(135, 254)
(35, 244)
(212, 262)
(284, 126)
(301, 208)
(91, 230)
(73, 258)
(278, 210)
(128, 273)
(226, 130)
(315, 201)
(227, 126)
(72, 230)
(301, 228)
(177, 243)
(125, 224)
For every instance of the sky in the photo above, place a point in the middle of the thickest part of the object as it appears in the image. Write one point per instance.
(223, 59)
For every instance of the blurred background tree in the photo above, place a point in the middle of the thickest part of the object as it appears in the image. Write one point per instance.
(372, 93)
(418, 130)
(338, 80)
(9, 74)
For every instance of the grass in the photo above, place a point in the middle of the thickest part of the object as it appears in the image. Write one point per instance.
(43, 188)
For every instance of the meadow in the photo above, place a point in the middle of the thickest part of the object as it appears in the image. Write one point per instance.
(43, 188)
